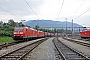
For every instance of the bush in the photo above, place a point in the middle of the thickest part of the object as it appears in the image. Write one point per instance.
(6, 32)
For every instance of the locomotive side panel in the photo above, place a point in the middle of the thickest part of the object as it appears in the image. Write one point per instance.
(28, 33)
(85, 34)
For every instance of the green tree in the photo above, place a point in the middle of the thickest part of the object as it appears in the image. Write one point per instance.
(36, 27)
(55, 30)
(11, 22)
(1, 22)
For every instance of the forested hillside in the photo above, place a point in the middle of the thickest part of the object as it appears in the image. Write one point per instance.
(6, 29)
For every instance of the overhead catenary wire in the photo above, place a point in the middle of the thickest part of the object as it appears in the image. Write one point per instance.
(78, 7)
(82, 14)
(16, 6)
(9, 12)
(60, 9)
(39, 12)
(37, 8)
(31, 9)
(34, 12)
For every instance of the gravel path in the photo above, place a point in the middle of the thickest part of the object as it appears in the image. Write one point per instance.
(45, 51)
(83, 49)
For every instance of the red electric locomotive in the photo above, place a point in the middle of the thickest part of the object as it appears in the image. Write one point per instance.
(85, 34)
(25, 33)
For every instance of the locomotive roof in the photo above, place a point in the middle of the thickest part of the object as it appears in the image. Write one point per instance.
(28, 28)
(85, 30)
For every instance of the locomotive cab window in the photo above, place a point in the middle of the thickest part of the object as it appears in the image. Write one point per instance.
(26, 29)
(19, 28)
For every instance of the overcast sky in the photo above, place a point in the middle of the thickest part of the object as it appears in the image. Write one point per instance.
(58, 10)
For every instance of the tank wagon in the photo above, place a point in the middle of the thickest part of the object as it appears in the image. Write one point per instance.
(85, 34)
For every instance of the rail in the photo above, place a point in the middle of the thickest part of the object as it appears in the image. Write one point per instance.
(78, 42)
(20, 53)
(5, 45)
(66, 52)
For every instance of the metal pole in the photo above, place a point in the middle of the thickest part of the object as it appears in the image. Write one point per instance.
(66, 26)
(37, 28)
(72, 27)
(22, 21)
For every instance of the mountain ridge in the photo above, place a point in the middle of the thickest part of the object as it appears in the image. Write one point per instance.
(49, 23)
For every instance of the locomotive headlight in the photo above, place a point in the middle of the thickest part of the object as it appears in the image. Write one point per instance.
(15, 32)
(21, 32)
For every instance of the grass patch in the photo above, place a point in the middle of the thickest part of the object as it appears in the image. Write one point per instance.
(6, 39)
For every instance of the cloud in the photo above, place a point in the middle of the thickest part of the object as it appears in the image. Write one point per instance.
(45, 9)
(20, 6)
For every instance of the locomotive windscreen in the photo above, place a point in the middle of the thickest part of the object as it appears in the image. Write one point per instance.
(19, 28)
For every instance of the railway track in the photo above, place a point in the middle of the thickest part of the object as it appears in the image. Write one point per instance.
(66, 52)
(5, 45)
(78, 42)
(20, 53)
